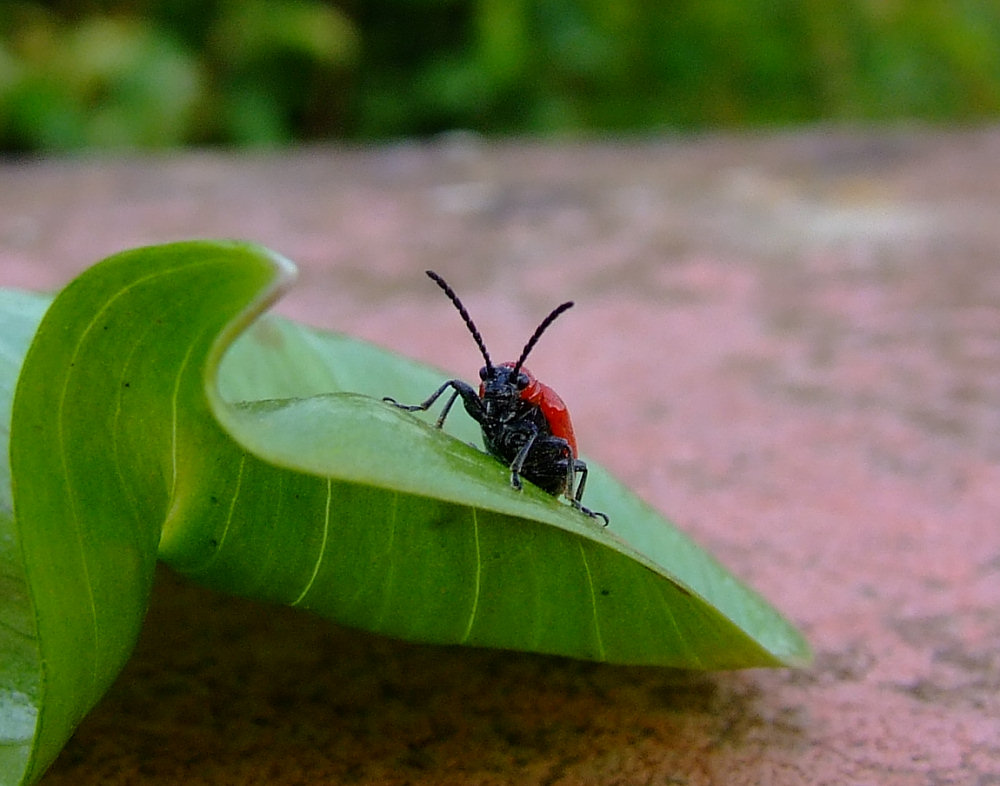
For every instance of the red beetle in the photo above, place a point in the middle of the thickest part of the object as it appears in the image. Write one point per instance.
(525, 423)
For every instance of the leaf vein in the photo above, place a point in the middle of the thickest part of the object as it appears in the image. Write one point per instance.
(231, 513)
(593, 603)
(479, 572)
(174, 396)
(322, 545)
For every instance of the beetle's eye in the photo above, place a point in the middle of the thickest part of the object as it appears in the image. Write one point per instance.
(484, 372)
(522, 381)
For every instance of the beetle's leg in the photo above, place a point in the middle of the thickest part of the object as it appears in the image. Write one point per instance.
(522, 454)
(447, 409)
(422, 406)
(571, 469)
(579, 466)
(576, 465)
(472, 401)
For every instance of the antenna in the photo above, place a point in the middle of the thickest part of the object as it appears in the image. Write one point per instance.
(538, 334)
(468, 320)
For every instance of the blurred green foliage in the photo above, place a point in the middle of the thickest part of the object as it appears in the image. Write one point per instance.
(156, 73)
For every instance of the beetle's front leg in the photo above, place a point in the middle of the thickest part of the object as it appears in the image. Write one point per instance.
(518, 463)
(469, 397)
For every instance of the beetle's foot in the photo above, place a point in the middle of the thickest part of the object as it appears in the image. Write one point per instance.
(594, 514)
(406, 407)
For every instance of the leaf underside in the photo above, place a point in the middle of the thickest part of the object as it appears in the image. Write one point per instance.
(144, 426)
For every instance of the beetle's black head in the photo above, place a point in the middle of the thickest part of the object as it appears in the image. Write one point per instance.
(501, 389)
(493, 376)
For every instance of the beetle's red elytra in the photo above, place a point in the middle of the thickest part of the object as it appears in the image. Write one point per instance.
(525, 423)
(553, 407)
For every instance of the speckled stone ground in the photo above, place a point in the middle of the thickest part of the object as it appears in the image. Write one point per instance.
(790, 344)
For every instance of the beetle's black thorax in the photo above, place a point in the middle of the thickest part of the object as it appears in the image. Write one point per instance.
(509, 422)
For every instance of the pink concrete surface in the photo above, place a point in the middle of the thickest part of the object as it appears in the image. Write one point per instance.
(788, 343)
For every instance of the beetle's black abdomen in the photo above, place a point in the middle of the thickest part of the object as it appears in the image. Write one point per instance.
(546, 464)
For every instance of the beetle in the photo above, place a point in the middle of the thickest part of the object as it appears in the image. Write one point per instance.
(525, 424)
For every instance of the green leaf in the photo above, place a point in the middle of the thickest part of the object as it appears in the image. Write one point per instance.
(268, 466)
(20, 314)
